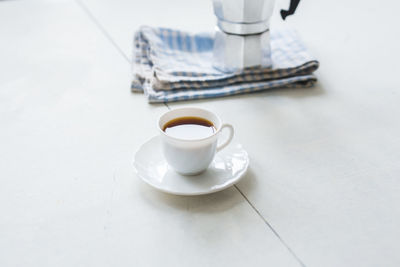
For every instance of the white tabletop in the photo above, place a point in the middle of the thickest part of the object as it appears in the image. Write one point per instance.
(323, 185)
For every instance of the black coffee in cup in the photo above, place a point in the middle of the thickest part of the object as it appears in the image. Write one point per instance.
(189, 128)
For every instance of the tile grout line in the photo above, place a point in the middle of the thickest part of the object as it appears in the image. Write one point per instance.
(270, 227)
(109, 38)
(105, 33)
(101, 28)
(166, 104)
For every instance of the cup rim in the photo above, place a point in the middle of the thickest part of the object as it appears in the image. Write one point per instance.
(190, 140)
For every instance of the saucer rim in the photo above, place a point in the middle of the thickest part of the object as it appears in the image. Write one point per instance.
(240, 175)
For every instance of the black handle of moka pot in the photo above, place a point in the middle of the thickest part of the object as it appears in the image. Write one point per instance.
(292, 9)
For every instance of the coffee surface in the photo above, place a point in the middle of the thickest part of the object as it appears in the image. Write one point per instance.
(189, 128)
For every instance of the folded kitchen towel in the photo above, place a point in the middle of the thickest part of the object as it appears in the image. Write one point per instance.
(171, 65)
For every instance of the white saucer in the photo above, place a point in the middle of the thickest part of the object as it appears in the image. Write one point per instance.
(228, 168)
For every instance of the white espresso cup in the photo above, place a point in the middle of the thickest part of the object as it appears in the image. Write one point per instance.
(190, 157)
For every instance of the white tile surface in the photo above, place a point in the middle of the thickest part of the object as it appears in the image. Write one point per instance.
(324, 161)
(69, 127)
(122, 17)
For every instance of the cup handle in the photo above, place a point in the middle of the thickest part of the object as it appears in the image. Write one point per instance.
(227, 141)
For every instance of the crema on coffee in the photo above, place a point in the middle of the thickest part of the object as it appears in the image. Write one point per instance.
(189, 128)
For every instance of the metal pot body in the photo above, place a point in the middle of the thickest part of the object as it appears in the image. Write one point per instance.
(242, 36)
(243, 16)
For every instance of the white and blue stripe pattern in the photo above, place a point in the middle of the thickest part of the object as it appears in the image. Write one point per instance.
(171, 65)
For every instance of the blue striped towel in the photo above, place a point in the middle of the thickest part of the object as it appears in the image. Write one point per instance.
(171, 65)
